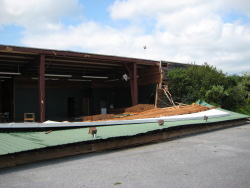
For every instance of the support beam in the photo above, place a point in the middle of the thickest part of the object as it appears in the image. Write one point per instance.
(95, 57)
(41, 88)
(135, 85)
(130, 74)
(132, 69)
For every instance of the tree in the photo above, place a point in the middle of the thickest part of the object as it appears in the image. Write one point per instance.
(204, 77)
(207, 83)
(180, 84)
(193, 83)
(216, 95)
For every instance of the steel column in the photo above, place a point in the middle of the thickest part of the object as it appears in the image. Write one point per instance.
(135, 85)
(41, 87)
(132, 69)
(131, 89)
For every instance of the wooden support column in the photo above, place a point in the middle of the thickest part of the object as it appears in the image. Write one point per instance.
(41, 87)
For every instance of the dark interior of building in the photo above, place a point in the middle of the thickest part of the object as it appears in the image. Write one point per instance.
(73, 84)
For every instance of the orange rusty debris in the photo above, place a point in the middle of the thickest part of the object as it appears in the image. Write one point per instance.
(141, 111)
(139, 108)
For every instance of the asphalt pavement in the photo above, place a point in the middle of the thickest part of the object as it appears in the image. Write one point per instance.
(213, 159)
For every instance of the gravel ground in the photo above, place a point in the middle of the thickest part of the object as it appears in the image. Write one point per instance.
(213, 159)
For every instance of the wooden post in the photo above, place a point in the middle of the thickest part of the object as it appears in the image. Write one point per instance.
(156, 96)
(161, 72)
(41, 87)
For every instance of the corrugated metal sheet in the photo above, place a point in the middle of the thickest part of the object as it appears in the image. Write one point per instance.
(24, 141)
(140, 118)
(203, 103)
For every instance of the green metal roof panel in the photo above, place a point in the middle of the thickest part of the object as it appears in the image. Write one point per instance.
(203, 103)
(24, 141)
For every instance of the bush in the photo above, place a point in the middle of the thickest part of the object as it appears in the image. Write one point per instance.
(207, 83)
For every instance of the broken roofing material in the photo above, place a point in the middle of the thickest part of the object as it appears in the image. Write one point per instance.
(169, 111)
(13, 142)
(138, 114)
(21, 147)
(213, 113)
(140, 111)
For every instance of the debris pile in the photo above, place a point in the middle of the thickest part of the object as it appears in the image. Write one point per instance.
(142, 111)
(138, 108)
(169, 111)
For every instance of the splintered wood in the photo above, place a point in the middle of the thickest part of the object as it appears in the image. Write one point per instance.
(149, 111)
(170, 111)
(139, 108)
(98, 117)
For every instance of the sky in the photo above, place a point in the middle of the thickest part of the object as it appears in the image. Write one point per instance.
(193, 31)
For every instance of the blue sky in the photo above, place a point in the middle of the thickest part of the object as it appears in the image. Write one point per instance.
(216, 32)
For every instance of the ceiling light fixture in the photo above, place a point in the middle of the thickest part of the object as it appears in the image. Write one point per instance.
(59, 75)
(99, 77)
(125, 77)
(51, 79)
(11, 73)
(112, 80)
(79, 80)
(34, 78)
(5, 77)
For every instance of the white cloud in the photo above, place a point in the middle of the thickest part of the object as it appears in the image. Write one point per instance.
(194, 30)
(182, 31)
(131, 9)
(241, 6)
(88, 36)
(39, 13)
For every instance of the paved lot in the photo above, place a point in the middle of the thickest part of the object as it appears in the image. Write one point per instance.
(213, 159)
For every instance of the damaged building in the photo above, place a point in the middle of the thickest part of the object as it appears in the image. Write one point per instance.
(102, 102)
(64, 85)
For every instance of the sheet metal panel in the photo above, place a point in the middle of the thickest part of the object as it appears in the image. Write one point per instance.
(213, 113)
(24, 141)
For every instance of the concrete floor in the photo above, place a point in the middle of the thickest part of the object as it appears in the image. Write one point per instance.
(212, 159)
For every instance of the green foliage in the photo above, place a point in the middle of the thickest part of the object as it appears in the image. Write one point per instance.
(204, 77)
(180, 84)
(233, 80)
(244, 109)
(216, 95)
(207, 83)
